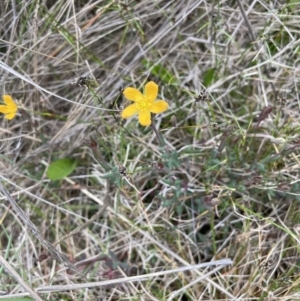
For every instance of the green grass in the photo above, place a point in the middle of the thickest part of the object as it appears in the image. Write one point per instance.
(219, 179)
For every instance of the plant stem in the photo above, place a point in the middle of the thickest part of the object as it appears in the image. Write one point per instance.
(159, 136)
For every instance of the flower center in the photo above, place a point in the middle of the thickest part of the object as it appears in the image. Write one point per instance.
(143, 105)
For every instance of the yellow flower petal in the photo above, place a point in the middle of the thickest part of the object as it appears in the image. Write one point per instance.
(4, 109)
(10, 103)
(129, 111)
(151, 90)
(10, 116)
(10, 108)
(145, 118)
(133, 94)
(159, 107)
(144, 104)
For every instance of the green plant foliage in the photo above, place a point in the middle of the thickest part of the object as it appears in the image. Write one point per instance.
(160, 72)
(209, 77)
(292, 4)
(172, 159)
(61, 168)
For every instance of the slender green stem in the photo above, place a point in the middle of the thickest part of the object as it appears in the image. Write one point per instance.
(158, 134)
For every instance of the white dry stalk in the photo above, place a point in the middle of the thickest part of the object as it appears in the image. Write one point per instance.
(57, 288)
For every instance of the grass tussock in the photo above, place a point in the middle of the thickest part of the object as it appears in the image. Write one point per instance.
(203, 204)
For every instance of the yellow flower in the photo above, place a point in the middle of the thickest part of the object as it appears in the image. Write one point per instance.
(10, 108)
(145, 104)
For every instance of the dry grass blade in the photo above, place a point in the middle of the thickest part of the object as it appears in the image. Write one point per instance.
(219, 263)
(19, 279)
(27, 222)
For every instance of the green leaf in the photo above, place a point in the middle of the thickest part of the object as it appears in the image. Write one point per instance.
(173, 160)
(59, 169)
(209, 77)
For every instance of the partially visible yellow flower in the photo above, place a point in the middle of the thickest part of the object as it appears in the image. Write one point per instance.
(145, 104)
(10, 108)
